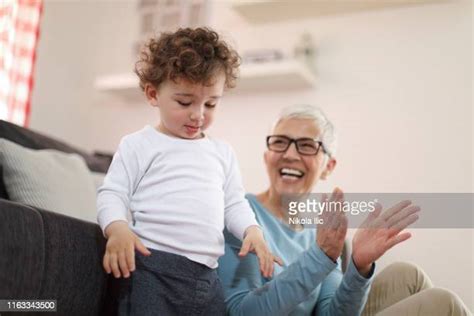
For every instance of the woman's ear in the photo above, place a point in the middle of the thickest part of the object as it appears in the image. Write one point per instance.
(151, 94)
(330, 165)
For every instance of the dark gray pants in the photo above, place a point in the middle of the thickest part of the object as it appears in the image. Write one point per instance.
(168, 284)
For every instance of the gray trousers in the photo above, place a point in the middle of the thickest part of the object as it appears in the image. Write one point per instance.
(168, 284)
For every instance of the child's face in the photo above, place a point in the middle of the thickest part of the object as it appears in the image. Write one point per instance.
(186, 109)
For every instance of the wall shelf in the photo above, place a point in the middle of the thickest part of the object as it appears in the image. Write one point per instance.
(125, 85)
(275, 75)
(266, 11)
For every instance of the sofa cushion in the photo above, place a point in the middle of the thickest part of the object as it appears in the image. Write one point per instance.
(48, 179)
(27, 138)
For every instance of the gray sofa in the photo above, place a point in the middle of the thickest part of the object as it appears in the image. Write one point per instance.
(46, 255)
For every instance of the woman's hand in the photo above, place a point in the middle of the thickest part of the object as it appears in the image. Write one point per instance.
(119, 255)
(380, 232)
(254, 242)
(331, 234)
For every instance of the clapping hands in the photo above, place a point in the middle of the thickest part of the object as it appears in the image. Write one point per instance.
(331, 235)
(381, 231)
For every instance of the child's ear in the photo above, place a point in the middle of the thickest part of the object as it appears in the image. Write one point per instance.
(330, 165)
(151, 94)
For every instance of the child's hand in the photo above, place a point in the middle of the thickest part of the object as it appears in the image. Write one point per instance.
(254, 242)
(120, 250)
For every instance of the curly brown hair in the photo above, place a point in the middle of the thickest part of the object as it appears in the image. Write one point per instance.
(197, 55)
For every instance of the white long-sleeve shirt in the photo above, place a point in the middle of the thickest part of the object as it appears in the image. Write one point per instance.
(180, 194)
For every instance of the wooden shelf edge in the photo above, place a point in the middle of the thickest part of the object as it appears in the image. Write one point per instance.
(281, 74)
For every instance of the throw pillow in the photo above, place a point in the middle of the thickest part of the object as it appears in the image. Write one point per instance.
(48, 179)
(98, 178)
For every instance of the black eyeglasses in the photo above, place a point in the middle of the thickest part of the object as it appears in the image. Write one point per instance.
(305, 146)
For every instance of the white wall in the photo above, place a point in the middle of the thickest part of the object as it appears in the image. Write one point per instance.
(397, 84)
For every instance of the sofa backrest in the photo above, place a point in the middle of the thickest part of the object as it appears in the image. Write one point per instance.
(28, 138)
(98, 162)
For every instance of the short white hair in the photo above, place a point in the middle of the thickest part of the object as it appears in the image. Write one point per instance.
(304, 111)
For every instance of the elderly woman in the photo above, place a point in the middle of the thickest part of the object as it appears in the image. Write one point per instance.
(300, 152)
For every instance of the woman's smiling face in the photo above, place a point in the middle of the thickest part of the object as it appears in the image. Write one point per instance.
(289, 171)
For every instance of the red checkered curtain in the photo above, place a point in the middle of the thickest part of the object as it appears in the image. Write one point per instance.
(19, 30)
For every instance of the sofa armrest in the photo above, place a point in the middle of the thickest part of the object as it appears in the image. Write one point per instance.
(45, 255)
(21, 251)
